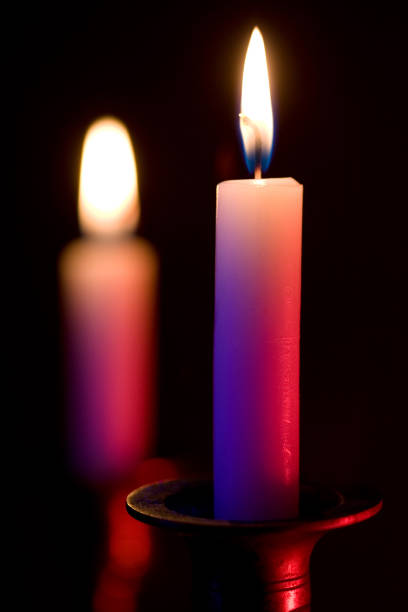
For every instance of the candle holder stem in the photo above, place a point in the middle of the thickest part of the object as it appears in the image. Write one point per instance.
(268, 574)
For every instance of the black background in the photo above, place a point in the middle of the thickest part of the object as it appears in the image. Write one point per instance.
(172, 73)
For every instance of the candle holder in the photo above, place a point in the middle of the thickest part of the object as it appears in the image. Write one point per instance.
(250, 565)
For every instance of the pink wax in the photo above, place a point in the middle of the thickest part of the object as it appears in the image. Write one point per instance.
(109, 294)
(256, 349)
(108, 286)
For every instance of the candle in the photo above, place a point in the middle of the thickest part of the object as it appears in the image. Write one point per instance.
(108, 286)
(257, 323)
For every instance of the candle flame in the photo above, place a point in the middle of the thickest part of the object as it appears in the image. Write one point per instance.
(108, 192)
(256, 120)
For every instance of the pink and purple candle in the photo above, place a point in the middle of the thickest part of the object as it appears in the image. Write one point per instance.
(108, 286)
(257, 323)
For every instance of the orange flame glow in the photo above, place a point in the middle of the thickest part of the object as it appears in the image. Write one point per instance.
(256, 119)
(108, 193)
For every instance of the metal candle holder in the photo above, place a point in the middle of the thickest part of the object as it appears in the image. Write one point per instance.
(250, 566)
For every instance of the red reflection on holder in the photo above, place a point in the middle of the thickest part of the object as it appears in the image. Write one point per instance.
(129, 553)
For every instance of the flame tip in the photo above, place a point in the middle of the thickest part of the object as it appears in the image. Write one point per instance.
(256, 32)
(106, 119)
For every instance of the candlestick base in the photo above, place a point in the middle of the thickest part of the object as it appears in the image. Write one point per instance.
(250, 565)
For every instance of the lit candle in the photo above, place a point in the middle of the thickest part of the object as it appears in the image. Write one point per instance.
(108, 285)
(257, 323)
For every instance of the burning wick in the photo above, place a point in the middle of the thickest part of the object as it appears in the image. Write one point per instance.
(258, 144)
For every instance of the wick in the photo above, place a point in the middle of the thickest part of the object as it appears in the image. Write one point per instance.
(258, 144)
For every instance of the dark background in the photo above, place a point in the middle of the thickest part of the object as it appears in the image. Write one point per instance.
(173, 73)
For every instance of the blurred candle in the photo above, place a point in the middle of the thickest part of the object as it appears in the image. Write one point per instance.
(257, 321)
(108, 286)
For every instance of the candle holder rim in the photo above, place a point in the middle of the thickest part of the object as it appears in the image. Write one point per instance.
(151, 504)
